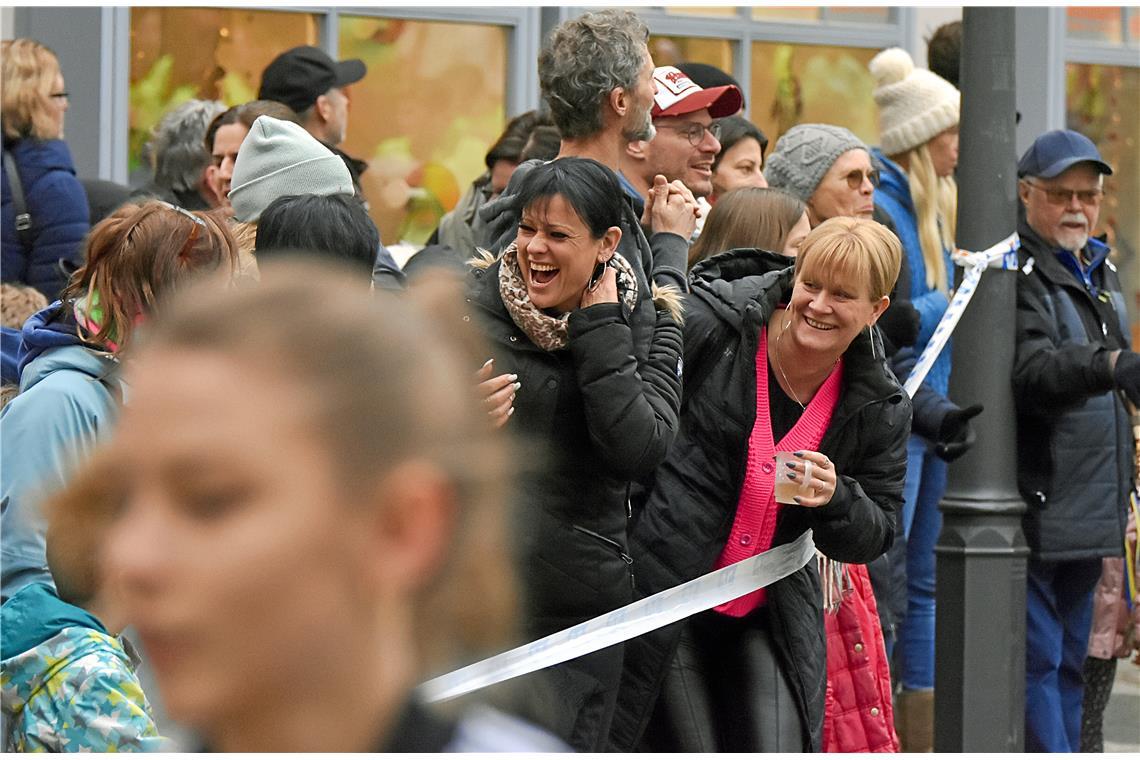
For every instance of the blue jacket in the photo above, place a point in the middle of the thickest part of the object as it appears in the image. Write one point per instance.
(60, 216)
(68, 684)
(893, 196)
(68, 399)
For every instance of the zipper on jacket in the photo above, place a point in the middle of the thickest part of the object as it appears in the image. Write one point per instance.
(617, 547)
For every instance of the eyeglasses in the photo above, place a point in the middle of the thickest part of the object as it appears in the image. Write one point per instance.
(199, 225)
(60, 95)
(694, 131)
(855, 178)
(1059, 196)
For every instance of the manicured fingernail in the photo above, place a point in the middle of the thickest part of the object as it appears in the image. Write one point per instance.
(796, 499)
(512, 398)
(512, 377)
(487, 363)
(510, 411)
(790, 465)
(517, 386)
(791, 476)
(798, 454)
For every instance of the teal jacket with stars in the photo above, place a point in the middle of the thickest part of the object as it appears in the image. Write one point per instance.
(66, 684)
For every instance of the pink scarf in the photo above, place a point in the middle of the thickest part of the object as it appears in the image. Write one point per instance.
(755, 523)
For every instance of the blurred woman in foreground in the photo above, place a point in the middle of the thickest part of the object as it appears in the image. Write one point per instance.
(296, 549)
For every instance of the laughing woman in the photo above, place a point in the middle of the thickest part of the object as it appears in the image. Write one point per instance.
(778, 359)
(598, 389)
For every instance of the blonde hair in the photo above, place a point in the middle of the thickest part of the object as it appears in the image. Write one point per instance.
(29, 72)
(936, 213)
(850, 250)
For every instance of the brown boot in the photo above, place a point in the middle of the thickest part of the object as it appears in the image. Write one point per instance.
(914, 720)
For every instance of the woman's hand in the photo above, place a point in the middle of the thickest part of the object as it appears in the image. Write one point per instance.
(820, 483)
(606, 292)
(498, 393)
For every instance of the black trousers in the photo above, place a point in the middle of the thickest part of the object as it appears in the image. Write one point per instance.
(725, 691)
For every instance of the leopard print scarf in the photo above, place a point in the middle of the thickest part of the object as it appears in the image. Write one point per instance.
(547, 332)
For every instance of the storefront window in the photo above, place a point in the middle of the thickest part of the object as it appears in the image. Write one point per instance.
(669, 51)
(781, 13)
(212, 53)
(849, 14)
(701, 10)
(794, 84)
(1102, 104)
(433, 102)
(1096, 24)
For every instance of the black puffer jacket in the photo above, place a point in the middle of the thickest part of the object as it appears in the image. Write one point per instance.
(597, 414)
(682, 528)
(1075, 450)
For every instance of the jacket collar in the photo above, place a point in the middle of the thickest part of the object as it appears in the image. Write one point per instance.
(745, 286)
(34, 614)
(1059, 266)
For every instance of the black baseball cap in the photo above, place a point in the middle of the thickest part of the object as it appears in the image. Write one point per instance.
(299, 76)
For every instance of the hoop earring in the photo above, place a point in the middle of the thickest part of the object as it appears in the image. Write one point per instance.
(787, 315)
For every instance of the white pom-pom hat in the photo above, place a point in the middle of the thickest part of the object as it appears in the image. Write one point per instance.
(914, 104)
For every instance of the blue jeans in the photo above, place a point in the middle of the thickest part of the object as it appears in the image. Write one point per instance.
(1059, 602)
(925, 484)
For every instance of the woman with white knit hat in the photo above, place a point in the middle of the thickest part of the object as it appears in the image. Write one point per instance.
(918, 113)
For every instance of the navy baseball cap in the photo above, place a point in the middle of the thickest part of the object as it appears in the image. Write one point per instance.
(1054, 152)
(299, 76)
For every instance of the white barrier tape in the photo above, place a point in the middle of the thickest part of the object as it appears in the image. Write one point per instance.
(1000, 256)
(633, 620)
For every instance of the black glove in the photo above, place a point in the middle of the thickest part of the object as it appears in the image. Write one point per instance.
(1127, 375)
(900, 323)
(956, 436)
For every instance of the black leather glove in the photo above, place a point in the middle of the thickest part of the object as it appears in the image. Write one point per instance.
(900, 323)
(1127, 375)
(956, 435)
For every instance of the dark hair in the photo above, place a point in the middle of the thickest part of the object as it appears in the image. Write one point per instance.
(545, 142)
(733, 129)
(509, 146)
(334, 226)
(590, 188)
(707, 76)
(247, 114)
(944, 51)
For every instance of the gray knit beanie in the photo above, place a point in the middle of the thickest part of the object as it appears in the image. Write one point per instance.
(803, 155)
(279, 158)
(914, 104)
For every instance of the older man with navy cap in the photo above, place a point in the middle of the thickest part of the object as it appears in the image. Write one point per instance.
(1073, 373)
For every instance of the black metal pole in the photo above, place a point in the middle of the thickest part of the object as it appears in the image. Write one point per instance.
(979, 677)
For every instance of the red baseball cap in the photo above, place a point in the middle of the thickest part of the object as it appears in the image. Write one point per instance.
(677, 95)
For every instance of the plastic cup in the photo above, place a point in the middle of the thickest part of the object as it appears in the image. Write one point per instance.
(786, 488)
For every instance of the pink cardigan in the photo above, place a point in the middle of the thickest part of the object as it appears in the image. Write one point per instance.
(755, 523)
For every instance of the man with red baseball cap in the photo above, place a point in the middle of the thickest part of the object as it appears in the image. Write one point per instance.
(686, 144)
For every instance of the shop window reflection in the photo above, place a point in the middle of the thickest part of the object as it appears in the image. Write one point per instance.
(795, 84)
(432, 103)
(212, 53)
(669, 51)
(1102, 104)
